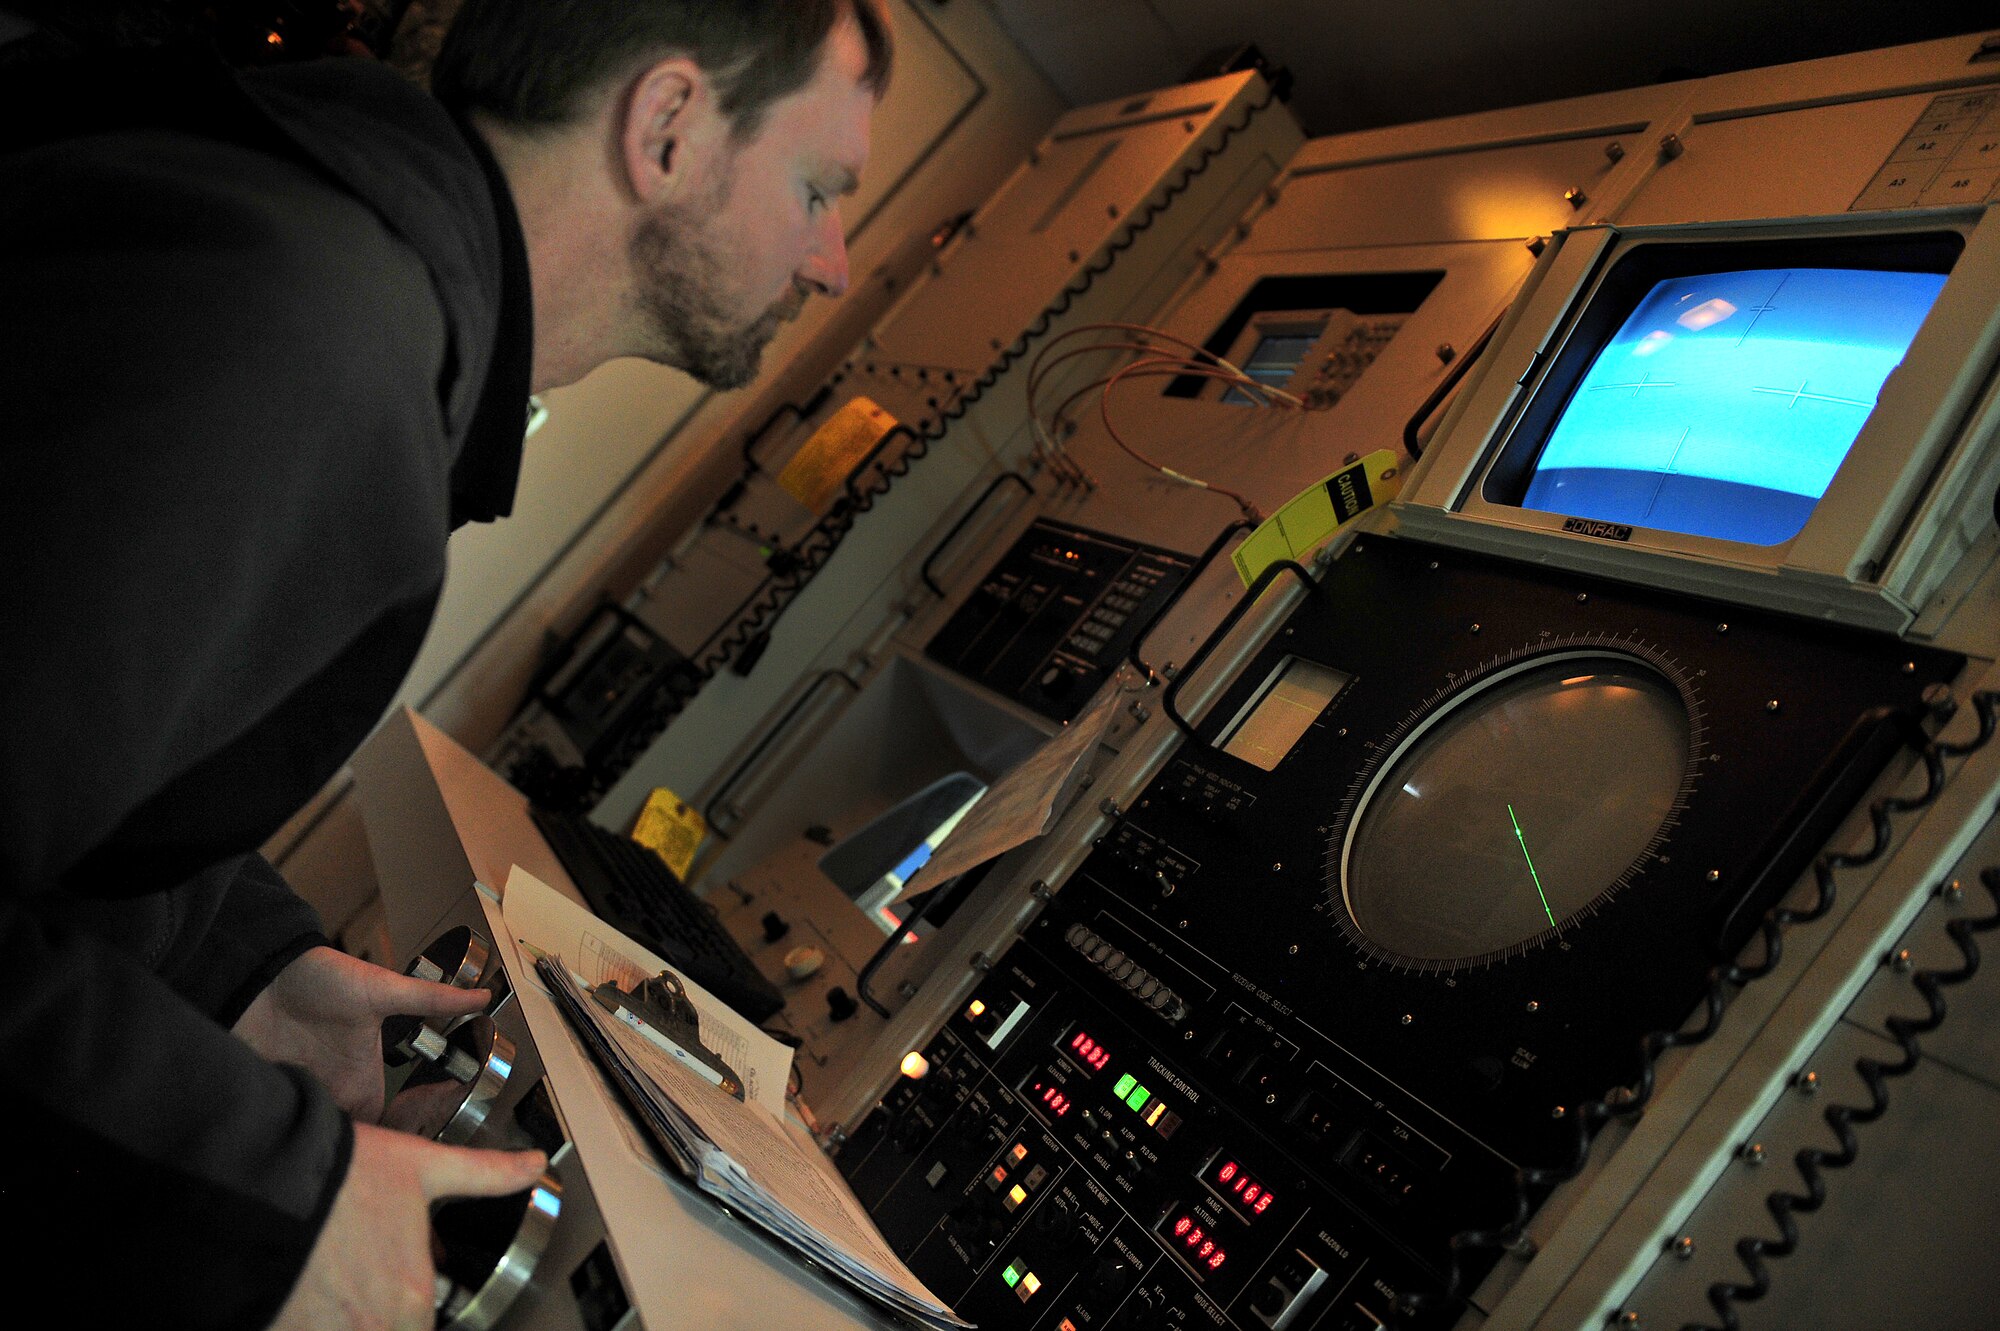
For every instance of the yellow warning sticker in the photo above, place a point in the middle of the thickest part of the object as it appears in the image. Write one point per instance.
(670, 829)
(825, 461)
(1298, 528)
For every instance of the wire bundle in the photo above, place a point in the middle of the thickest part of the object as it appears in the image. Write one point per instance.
(1153, 362)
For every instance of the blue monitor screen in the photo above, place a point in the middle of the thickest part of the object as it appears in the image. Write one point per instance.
(1723, 406)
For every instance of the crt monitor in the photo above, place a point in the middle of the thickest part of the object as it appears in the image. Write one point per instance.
(1713, 390)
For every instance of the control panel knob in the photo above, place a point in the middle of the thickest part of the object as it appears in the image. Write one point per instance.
(1057, 1220)
(908, 1136)
(839, 1004)
(803, 962)
(775, 926)
(1057, 682)
(1112, 1276)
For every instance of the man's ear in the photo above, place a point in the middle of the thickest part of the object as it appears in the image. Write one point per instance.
(666, 104)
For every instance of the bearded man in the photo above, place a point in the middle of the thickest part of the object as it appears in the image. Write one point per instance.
(269, 338)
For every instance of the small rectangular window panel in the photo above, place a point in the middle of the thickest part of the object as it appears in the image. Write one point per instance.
(1725, 402)
(1278, 715)
(1275, 358)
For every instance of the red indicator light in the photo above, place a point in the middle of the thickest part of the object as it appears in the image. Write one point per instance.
(1215, 1262)
(1194, 1237)
(1088, 1051)
(1235, 1186)
(1182, 1226)
(1206, 1249)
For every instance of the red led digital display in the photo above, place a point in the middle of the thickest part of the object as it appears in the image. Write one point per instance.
(1195, 1243)
(1246, 1194)
(1089, 1052)
(1052, 1099)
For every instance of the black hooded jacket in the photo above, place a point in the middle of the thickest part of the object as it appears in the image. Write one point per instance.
(264, 342)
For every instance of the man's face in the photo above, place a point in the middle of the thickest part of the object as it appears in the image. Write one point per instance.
(714, 278)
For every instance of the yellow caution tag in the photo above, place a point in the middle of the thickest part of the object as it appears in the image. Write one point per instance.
(825, 461)
(1295, 530)
(671, 830)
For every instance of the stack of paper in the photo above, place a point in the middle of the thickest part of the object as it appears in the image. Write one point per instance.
(744, 1152)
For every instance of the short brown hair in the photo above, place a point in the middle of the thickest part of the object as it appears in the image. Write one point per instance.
(534, 63)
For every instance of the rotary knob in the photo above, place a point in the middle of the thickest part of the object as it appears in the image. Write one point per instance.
(1113, 1275)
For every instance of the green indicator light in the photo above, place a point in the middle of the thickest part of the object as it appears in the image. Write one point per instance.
(1138, 1097)
(1124, 1086)
(1012, 1276)
(1531, 864)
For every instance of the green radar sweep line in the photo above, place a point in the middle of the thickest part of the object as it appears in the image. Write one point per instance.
(1531, 865)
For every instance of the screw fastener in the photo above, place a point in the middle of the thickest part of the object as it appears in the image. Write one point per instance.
(1683, 1247)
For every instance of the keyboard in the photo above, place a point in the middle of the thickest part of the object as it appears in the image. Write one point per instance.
(632, 889)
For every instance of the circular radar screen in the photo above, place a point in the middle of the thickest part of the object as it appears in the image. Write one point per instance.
(1512, 807)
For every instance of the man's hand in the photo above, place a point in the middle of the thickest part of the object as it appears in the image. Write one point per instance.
(370, 1269)
(325, 1011)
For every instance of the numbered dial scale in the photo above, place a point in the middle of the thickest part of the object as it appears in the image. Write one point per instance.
(1471, 829)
